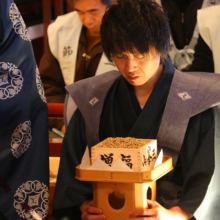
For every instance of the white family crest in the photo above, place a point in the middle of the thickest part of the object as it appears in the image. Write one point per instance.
(21, 139)
(33, 195)
(93, 101)
(18, 23)
(184, 96)
(11, 80)
(40, 86)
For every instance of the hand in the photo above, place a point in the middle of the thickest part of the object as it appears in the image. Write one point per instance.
(157, 212)
(89, 212)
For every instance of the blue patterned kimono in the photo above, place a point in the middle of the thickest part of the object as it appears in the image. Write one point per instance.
(24, 154)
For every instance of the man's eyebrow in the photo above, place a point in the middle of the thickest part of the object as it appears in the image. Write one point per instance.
(91, 10)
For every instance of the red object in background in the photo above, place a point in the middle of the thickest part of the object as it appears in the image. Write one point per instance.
(55, 110)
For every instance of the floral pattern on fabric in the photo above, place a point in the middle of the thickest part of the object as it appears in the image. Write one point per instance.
(40, 86)
(11, 80)
(18, 23)
(31, 200)
(21, 139)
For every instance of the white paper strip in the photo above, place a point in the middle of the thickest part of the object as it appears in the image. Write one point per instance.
(159, 159)
(85, 163)
(120, 166)
(99, 165)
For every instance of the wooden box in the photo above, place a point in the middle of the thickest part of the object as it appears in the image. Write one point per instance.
(138, 159)
(118, 192)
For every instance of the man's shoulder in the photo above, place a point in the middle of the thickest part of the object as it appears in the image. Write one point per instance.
(199, 89)
(198, 75)
(94, 82)
(66, 20)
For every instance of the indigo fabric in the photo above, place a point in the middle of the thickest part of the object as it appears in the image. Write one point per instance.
(24, 163)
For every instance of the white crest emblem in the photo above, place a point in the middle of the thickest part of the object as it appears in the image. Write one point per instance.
(31, 200)
(18, 23)
(184, 96)
(40, 86)
(21, 139)
(93, 101)
(11, 80)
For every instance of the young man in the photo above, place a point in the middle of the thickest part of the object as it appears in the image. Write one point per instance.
(147, 98)
(24, 150)
(74, 50)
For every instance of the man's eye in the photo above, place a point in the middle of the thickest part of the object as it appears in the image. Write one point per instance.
(93, 12)
(119, 55)
(139, 56)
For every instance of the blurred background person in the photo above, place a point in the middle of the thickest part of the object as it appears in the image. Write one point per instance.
(182, 16)
(74, 50)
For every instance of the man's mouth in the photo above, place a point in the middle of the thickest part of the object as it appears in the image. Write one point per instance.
(133, 77)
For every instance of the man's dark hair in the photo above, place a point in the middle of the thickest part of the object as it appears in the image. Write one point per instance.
(105, 2)
(136, 24)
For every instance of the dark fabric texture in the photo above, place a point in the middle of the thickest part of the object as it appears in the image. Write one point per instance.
(52, 78)
(120, 119)
(203, 58)
(70, 192)
(24, 150)
(182, 16)
(87, 67)
(53, 83)
(2, 217)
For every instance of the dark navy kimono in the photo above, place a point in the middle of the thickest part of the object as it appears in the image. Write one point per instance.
(122, 117)
(24, 154)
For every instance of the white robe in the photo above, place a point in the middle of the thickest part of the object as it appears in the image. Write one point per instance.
(209, 29)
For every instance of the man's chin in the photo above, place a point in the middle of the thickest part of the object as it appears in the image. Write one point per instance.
(93, 31)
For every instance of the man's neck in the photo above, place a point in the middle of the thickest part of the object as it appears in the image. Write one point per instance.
(143, 92)
(93, 38)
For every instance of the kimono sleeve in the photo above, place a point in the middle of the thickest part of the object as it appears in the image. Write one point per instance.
(197, 160)
(69, 191)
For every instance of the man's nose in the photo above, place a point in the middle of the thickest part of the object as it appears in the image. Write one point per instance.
(88, 19)
(131, 64)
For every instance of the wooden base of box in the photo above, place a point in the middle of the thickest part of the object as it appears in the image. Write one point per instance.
(117, 199)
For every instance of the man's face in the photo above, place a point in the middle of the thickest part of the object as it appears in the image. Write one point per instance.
(137, 68)
(90, 13)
